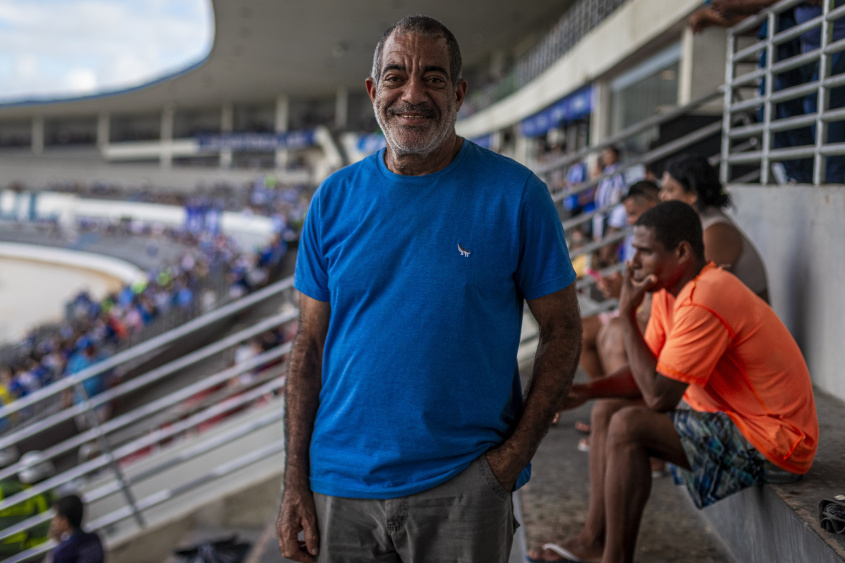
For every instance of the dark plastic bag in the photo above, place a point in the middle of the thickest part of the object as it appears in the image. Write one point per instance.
(832, 515)
(228, 550)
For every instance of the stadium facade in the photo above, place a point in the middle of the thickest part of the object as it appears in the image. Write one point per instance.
(281, 93)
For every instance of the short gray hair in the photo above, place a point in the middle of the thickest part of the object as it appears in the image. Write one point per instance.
(426, 27)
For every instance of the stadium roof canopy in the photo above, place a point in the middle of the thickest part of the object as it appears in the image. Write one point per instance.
(305, 49)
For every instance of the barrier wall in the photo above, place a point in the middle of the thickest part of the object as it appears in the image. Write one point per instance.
(799, 231)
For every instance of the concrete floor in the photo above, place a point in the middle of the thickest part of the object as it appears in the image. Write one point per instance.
(554, 504)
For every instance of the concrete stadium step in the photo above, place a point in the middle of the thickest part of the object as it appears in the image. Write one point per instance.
(780, 522)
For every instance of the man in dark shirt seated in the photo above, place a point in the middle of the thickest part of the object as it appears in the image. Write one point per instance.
(75, 545)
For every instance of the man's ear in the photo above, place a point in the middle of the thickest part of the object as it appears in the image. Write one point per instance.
(460, 94)
(371, 88)
(684, 251)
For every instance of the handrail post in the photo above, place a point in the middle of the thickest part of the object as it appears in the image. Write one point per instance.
(724, 166)
(102, 440)
(767, 97)
(826, 32)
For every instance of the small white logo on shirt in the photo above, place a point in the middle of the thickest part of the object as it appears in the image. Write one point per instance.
(464, 252)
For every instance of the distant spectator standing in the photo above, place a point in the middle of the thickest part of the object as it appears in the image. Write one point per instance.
(35, 469)
(75, 544)
(575, 176)
(610, 192)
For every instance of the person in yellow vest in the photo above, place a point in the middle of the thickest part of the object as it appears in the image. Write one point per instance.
(36, 469)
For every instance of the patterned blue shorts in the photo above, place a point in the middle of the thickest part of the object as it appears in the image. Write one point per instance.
(723, 462)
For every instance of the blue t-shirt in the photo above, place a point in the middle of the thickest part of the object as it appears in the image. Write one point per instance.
(812, 39)
(426, 277)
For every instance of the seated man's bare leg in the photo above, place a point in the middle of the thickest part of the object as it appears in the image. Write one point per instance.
(590, 360)
(635, 434)
(588, 544)
(611, 346)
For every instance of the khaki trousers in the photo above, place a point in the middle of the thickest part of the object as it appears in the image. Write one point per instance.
(468, 519)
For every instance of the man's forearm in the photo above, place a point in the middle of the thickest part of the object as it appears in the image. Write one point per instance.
(302, 392)
(617, 385)
(554, 369)
(655, 389)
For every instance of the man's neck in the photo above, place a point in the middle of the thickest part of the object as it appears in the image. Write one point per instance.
(687, 277)
(421, 164)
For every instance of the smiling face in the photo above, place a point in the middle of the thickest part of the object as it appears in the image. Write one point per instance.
(414, 100)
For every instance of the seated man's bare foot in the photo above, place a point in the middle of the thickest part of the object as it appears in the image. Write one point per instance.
(567, 550)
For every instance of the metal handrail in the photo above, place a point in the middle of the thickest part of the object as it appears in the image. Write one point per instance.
(139, 414)
(141, 381)
(146, 441)
(151, 345)
(769, 126)
(103, 432)
(651, 156)
(753, 21)
(627, 133)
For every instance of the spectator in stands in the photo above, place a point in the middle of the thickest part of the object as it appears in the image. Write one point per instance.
(110, 323)
(691, 179)
(717, 386)
(35, 468)
(75, 545)
(609, 193)
(603, 351)
(640, 198)
(574, 204)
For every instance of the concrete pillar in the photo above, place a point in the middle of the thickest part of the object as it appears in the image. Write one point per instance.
(702, 65)
(601, 117)
(227, 124)
(103, 130)
(521, 149)
(282, 125)
(497, 142)
(341, 109)
(38, 134)
(167, 114)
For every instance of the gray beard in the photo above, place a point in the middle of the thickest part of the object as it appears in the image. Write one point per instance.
(440, 136)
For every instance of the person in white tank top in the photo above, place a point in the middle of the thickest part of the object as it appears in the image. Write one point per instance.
(691, 179)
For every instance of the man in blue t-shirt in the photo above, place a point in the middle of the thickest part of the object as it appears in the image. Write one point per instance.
(405, 425)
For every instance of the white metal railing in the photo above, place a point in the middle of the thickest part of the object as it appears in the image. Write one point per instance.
(127, 492)
(791, 133)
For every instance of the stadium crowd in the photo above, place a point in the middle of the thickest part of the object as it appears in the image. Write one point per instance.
(212, 270)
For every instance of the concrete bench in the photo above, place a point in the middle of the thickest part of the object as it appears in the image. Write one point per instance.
(780, 522)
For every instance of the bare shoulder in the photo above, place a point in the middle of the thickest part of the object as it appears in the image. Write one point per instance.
(722, 244)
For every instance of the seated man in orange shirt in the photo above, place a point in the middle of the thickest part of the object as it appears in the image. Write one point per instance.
(717, 386)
